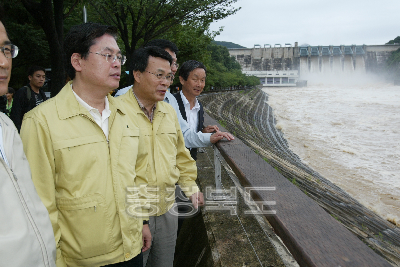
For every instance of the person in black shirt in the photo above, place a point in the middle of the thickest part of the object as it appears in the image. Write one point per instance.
(29, 96)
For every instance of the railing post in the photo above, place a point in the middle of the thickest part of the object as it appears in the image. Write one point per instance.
(217, 168)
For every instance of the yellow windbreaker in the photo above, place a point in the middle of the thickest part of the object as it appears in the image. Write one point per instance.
(169, 159)
(82, 178)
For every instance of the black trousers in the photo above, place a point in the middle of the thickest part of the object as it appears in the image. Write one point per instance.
(184, 206)
(135, 262)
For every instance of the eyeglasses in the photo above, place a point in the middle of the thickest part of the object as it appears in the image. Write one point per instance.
(10, 50)
(111, 58)
(175, 64)
(160, 76)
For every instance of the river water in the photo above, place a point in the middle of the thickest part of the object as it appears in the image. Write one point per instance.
(350, 134)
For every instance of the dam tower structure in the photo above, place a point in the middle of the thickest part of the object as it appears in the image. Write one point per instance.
(275, 65)
(266, 58)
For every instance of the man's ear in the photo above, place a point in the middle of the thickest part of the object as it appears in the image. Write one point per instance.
(182, 80)
(30, 77)
(137, 75)
(76, 61)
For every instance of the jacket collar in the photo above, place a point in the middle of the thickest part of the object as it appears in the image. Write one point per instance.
(68, 106)
(159, 113)
(159, 107)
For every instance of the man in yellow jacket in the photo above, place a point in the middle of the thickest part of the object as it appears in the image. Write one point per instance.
(170, 162)
(85, 152)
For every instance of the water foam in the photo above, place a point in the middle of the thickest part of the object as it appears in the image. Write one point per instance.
(349, 134)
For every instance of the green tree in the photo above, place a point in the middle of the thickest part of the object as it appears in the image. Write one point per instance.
(393, 62)
(228, 44)
(221, 54)
(192, 41)
(50, 16)
(252, 81)
(30, 39)
(224, 71)
(394, 41)
(139, 22)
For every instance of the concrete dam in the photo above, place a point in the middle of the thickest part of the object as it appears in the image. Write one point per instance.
(283, 65)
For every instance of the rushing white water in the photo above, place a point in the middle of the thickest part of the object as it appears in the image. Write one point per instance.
(350, 134)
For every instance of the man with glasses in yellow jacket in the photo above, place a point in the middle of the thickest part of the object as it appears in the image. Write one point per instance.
(85, 152)
(170, 161)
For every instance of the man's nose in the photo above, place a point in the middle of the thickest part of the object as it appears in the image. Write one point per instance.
(116, 64)
(165, 82)
(4, 62)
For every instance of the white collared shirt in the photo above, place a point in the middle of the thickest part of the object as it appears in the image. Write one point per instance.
(191, 114)
(100, 119)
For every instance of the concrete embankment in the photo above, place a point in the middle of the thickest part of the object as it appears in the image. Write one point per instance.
(246, 114)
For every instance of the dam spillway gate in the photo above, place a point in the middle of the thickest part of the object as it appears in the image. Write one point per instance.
(331, 59)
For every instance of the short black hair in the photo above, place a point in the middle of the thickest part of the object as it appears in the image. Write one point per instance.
(188, 66)
(34, 68)
(140, 57)
(163, 44)
(80, 38)
(1, 13)
(11, 90)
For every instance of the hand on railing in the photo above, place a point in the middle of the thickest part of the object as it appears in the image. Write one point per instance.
(215, 137)
(210, 129)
